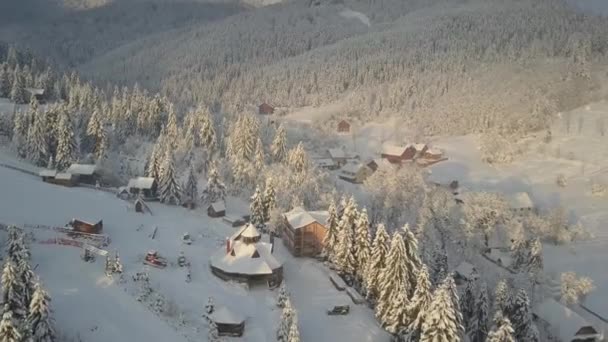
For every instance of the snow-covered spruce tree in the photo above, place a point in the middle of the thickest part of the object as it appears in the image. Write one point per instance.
(377, 262)
(18, 92)
(521, 317)
(153, 166)
(9, 331)
(172, 129)
(440, 321)
(39, 319)
(419, 303)
(256, 208)
(452, 290)
(298, 158)
(66, 141)
(213, 335)
(15, 244)
(12, 290)
(96, 130)
(344, 253)
(215, 190)
(502, 331)
(5, 85)
(573, 288)
(294, 331)
(478, 324)
(191, 188)
(20, 129)
(207, 132)
(330, 241)
(502, 297)
(412, 256)
(210, 306)
(535, 258)
(37, 143)
(362, 244)
(467, 304)
(270, 201)
(259, 158)
(278, 149)
(439, 265)
(282, 296)
(394, 287)
(285, 323)
(27, 277)
(520, 253)
(170, 191)
(482, 212)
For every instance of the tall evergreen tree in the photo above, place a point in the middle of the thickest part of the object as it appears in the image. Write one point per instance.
(66, 142)
(259, 158)
(191, 189)
(37, 143)
(344, 254)
(96, 129)
(502, 297)
(452, 290)
(12, 290)
(412, 257)
(270, 201)
(213, 335)
(330, 241)
(362, 243)
(278, 149)
(478, 325)
(20, 130)
(170, 191)
(419, 303)
(467, 304)
(535, 260)
(502, 332)
(298, 158)
(27, 277)
(256, 208)
(18, 92)
(215, 190)
(377, 262)
(207, 132)
(440, 322)
(285, 323)
(5, 85)
(153, 167)
(439, 265)
(39, 318)
(521, 317)
(8, 327)
(294, 331)
(172, 128)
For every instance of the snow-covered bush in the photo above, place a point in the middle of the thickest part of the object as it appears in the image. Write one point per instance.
(497, 149)
(574, 288)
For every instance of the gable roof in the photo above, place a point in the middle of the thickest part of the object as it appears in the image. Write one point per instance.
(141, 183)
(82, 169)
(337, 153)
(352, 167)
(218, 206)
(563, 321)
(393, 150)
(465, 269)
(64, 176)
(47, 173)
(241, 260)
(223, 315)
(35, 91)
(246, 231)
(420, 146)
(520, 200)
(298, 217)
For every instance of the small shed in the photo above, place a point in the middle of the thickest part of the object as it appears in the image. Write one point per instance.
(38, 93)
(123, 193)
(265, 109)
(144, 186)
(217, 209)
(565, 324)
(86, 227)
(228, 322)
(65, 179)
(47, 175)
(355, 173)
(465, 272)
(521, 203)
(87, 173)
(343, 126)
(141, 206)
(325, 163)
(432, 154)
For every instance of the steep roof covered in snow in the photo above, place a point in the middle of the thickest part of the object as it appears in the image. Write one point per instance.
(141, 183)
(465, 270)
(393, 150)
(64, 176)
(223, 315)
(47, 173)
(337, 153)
(298, 217)
(82, 169)
(420, 146)
(567, 324)
(352, 168)
(218, 206)
(520, 200)
(246, 231)
(246, 259)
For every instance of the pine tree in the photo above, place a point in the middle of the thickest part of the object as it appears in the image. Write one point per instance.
(298, 159)
(256, 208)
(394, 287)
(207, 132)
(15, 245)
(270, 201)
(5, 86)
(294, 331)
(412, 257)
(215, 190)
(169, 189)
(502, 332)
(285, 323)
(39, 317)
(66, 143)
(344, 256)
(520, 253)
(419, 302)
(502, 297)
(521, 316)
(449, 284)
(172, 128)
(259, 158)
(377, 262)
(330, 241)
(20, 130)
(191, 189)
(278, 149)
(535, 259)
(153, 167)
(12, 290)
(467, 304)
(18, 92)
(439, 266)
(96, 129)
(37, 143)
(282, 296)
(27, 277)
(478, 325)
(440, 322)
(362, 243)
(213, 335)
(8, 327)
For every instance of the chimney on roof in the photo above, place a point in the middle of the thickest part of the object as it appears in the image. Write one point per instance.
(227, 245)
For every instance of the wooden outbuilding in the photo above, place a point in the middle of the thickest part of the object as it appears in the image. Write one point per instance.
(228, 322)
(47, 175)
(355, 173)
(304, 231)
(343, 127)
(398, 154)
(65, 179)
(86, 173)
(141, 206)
(38, 93)
(217, 209)
(265, 109)
(143, 186)
(432, 154)
(86, 227)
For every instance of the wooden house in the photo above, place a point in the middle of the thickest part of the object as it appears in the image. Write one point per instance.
(340, 156)
(432, 154)
(355, 173)
(217, 209)
(143, 186)
(86, 227)
(398, 154)
(228, 323)
(303, 231)
(325, 163)
(563, 324)
(87, 173)
(343, 127)
(47, 175)
(265, 109)
(38, 93)
(420, 149)
(65, 179)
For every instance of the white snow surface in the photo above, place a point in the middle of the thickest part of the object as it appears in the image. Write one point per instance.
(141, 183)
(224, 315)
(562, 320)
(97, 308)
(350, 14)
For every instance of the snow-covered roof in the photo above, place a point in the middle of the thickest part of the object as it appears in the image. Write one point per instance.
(47, 173)
(141, 183)
(35, 91)
(352, 168)
(243, 260)
(223, 315)
(82, 169)
(434, 151)
(324, 162)
(564, 322)
(64, 176)
(337, 153)
(246, 231)
(419, 147)
(298, 217)
(465, 269)
(218, 206)
(122, 189)
(393, 150)
(520, 200)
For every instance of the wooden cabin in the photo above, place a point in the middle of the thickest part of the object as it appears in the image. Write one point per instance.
(38, 93)
(217, 209)
(343, 127)
(143, 186)
(265, 109)
(86, 227)
(355, 173)
(228, 323)
(87, 173)
(432, 154)
(47, 175)
(398, 154)
(65, 179)
(304, 231)
(141, 206)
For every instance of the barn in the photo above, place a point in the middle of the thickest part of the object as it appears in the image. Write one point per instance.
(564, 324)
(86, 173)
(217, 209)
(265, 109)
(343, 126)
(398, 154)
(304, 231)
(228, 322)
(144, 186)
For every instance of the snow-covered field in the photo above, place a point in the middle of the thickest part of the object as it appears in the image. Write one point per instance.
(96, 308)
